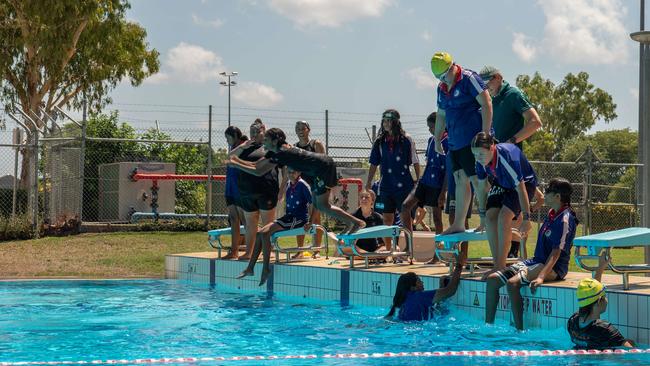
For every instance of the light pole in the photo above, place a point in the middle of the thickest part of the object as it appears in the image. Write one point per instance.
(229, 84)
(643, 37)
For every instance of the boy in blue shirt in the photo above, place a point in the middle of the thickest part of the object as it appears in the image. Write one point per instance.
(552, 254)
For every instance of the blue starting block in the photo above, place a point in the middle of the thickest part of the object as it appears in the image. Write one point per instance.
(381, 231)
(600, 245)
(214, 237)
(449, 251)
(295, 232)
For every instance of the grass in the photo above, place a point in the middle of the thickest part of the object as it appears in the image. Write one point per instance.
(142, 254)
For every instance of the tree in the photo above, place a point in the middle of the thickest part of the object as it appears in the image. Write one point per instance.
(569, 109)
(64, 52)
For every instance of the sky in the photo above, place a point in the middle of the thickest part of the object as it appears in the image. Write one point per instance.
(356, 58)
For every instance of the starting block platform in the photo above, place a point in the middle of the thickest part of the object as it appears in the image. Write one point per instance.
(295, 232)
(375, 232)
(449, 251)
(600, 245)
(214, 237)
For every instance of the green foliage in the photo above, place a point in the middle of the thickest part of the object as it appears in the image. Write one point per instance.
(627, 190)
(102, 125)
(540, 146)
(6, 196)
(607, 218)
(569, 109)
(614, 146)
(54, 52)
(179, 225)
(18, 228)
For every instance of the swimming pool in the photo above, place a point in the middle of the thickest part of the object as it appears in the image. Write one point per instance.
(144, 319)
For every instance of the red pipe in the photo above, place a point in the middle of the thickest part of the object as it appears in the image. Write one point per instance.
(196, 177)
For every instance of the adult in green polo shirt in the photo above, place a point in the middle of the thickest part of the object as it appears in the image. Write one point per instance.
(514, 118)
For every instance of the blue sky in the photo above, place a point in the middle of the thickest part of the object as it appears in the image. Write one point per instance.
(296, 58)
(367, 55)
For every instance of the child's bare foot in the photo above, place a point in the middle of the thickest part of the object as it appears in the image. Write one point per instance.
(247, 272)
(453, 229)
(265, 276)
(315, 255)
(298, 255)
(232, 255)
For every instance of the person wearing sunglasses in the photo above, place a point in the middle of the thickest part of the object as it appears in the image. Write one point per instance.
(464, 109)
(551, 259)
(394, 152)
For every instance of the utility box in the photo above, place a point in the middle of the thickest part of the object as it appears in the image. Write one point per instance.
(120, 196)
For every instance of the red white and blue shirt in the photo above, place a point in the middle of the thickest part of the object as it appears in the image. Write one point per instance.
(394, 158)
(435, 170)
(509, 166)
(462, 111)
(558, 231)
(298, 198)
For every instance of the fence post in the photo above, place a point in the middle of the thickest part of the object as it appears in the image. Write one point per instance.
(374, 133)
(589, 159)
(82, 161)
(208, 190)
(327, 132)
(35, 186)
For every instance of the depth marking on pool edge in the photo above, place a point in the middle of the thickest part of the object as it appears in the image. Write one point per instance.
(480, 353)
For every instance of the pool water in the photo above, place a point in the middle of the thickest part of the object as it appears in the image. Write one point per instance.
(135, 319)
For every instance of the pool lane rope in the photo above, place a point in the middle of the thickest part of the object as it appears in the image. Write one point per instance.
(498, 353)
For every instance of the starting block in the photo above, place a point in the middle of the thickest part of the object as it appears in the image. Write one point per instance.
(381, 231)
(295, 232)
(451, 248)
(600, 245)
(214, 237)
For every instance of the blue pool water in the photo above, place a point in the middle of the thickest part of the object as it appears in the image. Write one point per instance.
(99, 320)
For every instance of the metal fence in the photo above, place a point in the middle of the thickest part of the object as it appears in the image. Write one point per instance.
(85, 170)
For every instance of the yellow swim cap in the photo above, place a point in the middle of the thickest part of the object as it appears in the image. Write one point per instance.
(589, 291)
(441, 62)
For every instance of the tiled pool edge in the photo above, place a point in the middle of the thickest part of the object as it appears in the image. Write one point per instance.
(549, 308)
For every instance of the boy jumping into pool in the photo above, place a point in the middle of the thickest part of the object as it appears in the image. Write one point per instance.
(318, 166)
(551, 260)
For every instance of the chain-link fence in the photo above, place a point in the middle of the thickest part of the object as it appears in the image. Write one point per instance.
(129, 166)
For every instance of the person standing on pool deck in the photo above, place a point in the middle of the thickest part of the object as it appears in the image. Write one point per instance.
(464, 109)
(258, 194)
(514, 118)
(513, 182)
(395, 152)
(316, 146)
(551, 259)
(432, 186)
(234, 138)
(319, 166)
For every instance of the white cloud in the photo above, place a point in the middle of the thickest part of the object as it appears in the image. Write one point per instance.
(256, 94)
(635, 93)
(583, 31)
(328, 13)
(426, 35)
(522, 47)
(189, 63)
(423, 79)
(206, 23)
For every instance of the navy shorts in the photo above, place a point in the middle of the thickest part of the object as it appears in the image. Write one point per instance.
(389, 201)
(499, 197)
(426, 196)
(288, 222)
(231, 201)
(463, 159)
(326, 179)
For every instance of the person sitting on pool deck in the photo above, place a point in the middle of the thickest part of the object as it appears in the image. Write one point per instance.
(552, 253)
(414, 303)
(585, 327)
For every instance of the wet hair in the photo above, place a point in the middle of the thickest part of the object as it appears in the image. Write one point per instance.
(562, 187)
(395, 127)
(483, 140)
(432, 118)
(277, 134)
(236, 133)
(404, 284)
